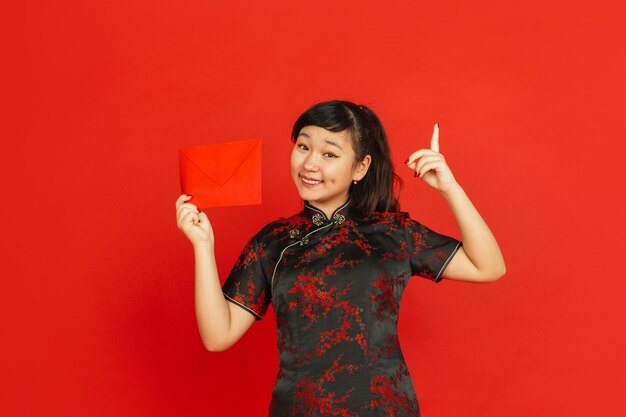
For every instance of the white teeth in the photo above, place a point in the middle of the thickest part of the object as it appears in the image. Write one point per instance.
(310, 182)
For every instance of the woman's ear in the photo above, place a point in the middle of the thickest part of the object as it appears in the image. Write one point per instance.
(361, 168)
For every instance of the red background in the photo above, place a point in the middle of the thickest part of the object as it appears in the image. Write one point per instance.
(97, 309)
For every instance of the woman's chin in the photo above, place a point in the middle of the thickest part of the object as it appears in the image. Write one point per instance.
(307, 195)
(305, 192)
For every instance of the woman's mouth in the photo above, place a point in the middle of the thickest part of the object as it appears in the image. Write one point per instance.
(310, 182)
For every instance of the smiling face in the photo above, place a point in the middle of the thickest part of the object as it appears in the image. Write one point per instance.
(323, 167)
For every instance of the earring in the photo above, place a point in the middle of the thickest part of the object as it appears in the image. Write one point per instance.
(354, 182)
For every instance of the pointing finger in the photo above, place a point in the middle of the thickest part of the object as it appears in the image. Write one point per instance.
(434, 142)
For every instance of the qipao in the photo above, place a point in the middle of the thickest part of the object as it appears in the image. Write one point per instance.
(335, 285)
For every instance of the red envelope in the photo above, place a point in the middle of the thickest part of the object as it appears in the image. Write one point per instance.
(222, 174)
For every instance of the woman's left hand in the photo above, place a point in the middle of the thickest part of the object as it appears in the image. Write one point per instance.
(431, 166)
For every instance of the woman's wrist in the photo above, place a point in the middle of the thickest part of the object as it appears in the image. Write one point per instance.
(452, 191)
(203, 246)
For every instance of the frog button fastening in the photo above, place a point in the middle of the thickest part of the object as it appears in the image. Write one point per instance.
(339, 218)
(318, 219)
(304, 241)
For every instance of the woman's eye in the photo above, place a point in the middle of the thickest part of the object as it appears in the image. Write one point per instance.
(330, 155)
(301, 146)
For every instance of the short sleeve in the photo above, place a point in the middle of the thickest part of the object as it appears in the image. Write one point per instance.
(429, 252)
(247, 284)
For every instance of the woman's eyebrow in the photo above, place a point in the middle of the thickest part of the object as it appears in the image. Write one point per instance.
(330, 142)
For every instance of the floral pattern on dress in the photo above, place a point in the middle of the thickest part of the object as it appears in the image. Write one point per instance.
(335, 285)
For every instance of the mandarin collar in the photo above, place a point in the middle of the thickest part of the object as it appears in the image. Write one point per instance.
(318, 217)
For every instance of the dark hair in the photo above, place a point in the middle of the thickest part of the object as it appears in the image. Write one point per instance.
(375, 192)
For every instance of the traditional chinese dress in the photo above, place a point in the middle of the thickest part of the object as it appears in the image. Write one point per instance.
(335, 285)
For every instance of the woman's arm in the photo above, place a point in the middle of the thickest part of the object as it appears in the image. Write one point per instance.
(221, 323)
(479, 259)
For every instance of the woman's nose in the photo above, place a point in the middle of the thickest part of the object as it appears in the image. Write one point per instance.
(310, 163)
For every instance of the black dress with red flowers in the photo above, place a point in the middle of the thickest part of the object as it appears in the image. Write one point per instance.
(335, 285)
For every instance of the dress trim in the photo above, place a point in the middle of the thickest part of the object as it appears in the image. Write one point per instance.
(456, 248)
(304, 239)
(241, 305)
(325, 218)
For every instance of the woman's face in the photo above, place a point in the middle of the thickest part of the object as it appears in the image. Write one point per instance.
(322, 167)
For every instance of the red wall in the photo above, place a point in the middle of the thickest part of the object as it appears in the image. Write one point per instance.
(98, 316)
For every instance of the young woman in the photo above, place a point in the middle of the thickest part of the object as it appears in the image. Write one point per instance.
(335, 272)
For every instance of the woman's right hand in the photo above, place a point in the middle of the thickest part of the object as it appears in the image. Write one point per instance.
(194, 223)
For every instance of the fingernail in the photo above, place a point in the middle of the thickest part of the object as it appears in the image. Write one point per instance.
(406, 162)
